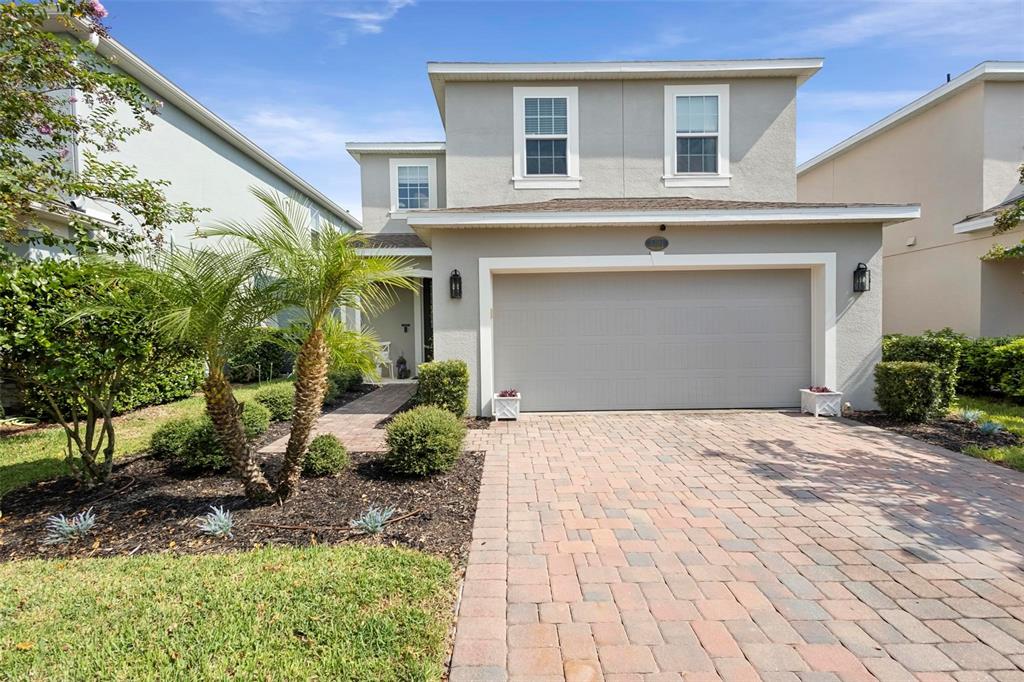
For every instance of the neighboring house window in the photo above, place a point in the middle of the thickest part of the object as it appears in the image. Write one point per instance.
(696, 136)
(413, 184)
(545, 125)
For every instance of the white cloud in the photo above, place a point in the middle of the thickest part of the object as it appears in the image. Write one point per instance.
(338, 18)
(830, 101)
(962, 27)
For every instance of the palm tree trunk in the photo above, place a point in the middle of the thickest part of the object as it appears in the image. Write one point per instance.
(310, 387)
(225, 413)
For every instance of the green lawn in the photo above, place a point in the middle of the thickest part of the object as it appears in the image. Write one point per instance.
(38, 455)
(333, 613)
(1011, 416)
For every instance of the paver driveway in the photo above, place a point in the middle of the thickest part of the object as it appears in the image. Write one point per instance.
(668, 546)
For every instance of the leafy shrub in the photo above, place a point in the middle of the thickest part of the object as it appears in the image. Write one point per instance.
(444, 384)
(942, 349)
(191, 444)
(373, 520)
(908, 390)
(217, 522)
(278, 398)
(1008, 363)
(326, 456)
(340, 381)
(61, 530)
(268, 355)
(424, 440)
(980, 370)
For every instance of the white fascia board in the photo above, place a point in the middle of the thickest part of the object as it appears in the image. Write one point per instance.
(983, 71)
(130, 63)
(355, 149)
(973, 225)
(867, 214)
(396, 251)
(800, 68)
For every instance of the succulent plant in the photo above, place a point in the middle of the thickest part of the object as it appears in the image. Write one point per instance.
(990, 428)
(970, 415)
(217, 522)
(61, 530)
(373, 519)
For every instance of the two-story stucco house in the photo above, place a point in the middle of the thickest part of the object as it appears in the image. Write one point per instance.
(956, 151)
(626, 236)
(207, 162)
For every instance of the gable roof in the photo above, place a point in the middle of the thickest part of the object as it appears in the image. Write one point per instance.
(134, 66)
(986, 71)
(441, 73)
(984, 219)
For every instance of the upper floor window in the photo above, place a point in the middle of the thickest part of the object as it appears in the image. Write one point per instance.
(413, 184)
(696, 136)
(546, 152)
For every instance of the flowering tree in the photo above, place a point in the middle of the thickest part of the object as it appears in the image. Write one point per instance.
(58, 93)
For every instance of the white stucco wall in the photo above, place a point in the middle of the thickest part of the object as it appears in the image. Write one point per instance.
(859, 316)
(375, 175)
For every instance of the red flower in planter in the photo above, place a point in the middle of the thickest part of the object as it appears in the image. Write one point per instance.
(819, 389)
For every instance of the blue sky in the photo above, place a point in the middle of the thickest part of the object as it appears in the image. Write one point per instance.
(302, 77)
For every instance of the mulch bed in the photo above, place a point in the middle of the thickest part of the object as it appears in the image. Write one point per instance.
(147, 508)
(948, 432)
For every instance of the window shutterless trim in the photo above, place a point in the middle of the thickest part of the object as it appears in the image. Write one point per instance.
(430, 163)
(722, 177)
(520, 180)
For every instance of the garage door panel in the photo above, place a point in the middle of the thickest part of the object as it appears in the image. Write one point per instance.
(653, 340)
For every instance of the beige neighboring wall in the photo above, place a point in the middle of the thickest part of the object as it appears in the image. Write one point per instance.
(457, 322)
(956, 158)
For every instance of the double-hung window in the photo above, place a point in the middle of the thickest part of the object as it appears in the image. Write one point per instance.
(546, 138)
(696, 136)
(413, 184)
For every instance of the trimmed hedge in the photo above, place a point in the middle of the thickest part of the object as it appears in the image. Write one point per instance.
(425, 440)
(941, 349)
(444, 384)
(980, 369)
(340, 381)
(326, 456)
(909, 390)
(1008, 361)
(267, 355)
(278, 398)
(190, 444)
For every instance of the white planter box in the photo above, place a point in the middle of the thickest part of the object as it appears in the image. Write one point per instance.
(821, 404)
(505, 408)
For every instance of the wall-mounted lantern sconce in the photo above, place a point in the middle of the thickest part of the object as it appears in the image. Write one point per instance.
(862, 278)
(455, 284)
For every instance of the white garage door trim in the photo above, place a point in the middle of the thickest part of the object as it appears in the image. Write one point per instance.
(823, 294)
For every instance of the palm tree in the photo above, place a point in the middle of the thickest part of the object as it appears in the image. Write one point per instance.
(318, 271)
(211, 300)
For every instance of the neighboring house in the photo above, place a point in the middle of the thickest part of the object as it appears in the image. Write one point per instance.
(625, 235)
(208, 163)
(956, 151)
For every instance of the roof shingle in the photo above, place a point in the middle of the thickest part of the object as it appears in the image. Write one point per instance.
(399, 240)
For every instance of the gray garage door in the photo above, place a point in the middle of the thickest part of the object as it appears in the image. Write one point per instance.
(653, 340)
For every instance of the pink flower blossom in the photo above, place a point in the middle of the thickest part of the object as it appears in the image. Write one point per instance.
(45, 129)
(64, 153)
(96, 9)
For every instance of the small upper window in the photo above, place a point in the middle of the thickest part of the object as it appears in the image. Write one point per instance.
(413, 187)
(413, 183)
(547, 136)
(546, 151)
(697, 136)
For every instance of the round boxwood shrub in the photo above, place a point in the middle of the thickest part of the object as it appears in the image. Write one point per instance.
(444, 383)
(326, 456)
(909, 390)
(278, 398)
(190, 443)
(941, 348)
(340, 381)
(424, 440)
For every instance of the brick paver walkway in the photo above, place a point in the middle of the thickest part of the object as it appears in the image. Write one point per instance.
(354, 423)
(737, 546)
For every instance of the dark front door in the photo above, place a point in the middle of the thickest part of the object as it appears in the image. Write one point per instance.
(428, 319)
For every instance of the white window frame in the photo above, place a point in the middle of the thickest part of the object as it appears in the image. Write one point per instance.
(430, 163)
(673, 179)
(571, 180)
